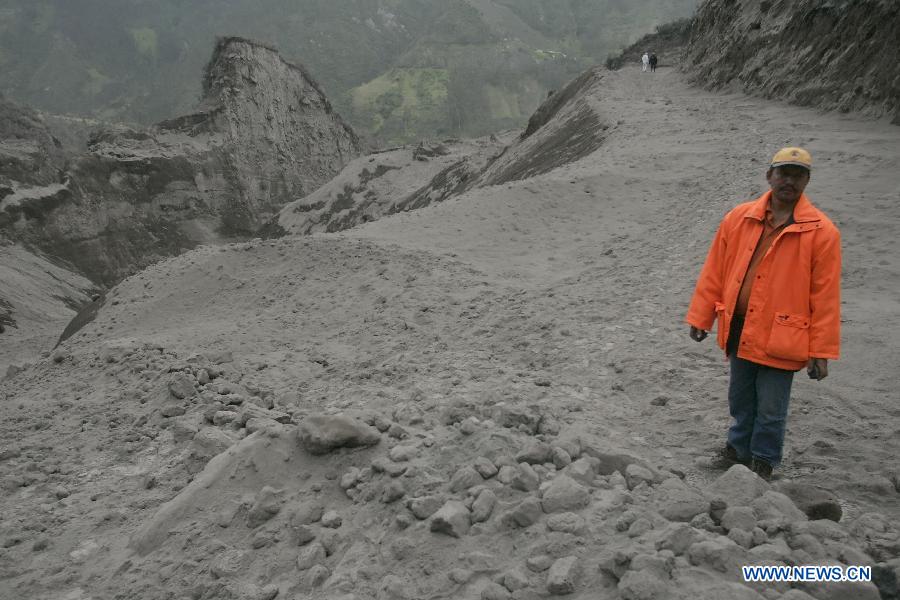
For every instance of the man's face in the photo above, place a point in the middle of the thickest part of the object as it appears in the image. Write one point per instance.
(787, 182)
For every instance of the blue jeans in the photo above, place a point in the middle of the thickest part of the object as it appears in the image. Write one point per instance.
(758, 398)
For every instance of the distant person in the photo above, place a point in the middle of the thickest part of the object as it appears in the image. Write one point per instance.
(772, 279)
(653, 61)
(645, 62)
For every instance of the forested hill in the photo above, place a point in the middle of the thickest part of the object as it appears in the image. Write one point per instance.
(397, 69)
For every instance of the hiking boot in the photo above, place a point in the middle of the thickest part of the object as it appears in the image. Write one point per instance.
(724, 459)
(761, 468)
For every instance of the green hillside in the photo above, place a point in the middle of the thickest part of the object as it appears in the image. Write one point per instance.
(397, 69)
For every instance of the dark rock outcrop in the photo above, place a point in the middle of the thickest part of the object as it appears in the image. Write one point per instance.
(834, 55)
(264, 134)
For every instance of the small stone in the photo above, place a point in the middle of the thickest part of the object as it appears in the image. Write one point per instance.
(320, 434)
(397, 432)
(705, 522)
(182, 386)
(741, 537)
(60, 354)
(515, 580)
(564, 494)
(311, 555)
(485, 467)
(635, 474)
(815, 502)
(317, 575)
(403, 453)
(60, 492)
(224, 417)
(460, 576)
(739, 517)
(639, 527)
(424, 506)
(331, 519)
(483, 506)
(495, 591)
(465, 478)
(677, 538)
(561, 458)
(539, 563)
(525, 478)
(535, 453)
(469, 426)
(567, 522)
(563, 576)
(172, 410)
(266, 506)
(350, 478)
(660, 401)
(582, 471)
(738, 486)
(303, 534)
(392, 491)
(507, 474)
(526, 513)
(675, 501)
(642, 585)
(451, 519)
(720, 553)
(40, 545)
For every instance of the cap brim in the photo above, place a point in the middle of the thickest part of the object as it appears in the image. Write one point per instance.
(786, 163)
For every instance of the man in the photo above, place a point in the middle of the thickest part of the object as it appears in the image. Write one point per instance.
(772, 280)
(653, 61)
(645, 62)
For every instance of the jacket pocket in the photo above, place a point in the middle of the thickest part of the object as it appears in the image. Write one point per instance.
(789, 338)
(723, 325)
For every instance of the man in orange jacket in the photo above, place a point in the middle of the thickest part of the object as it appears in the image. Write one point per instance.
(772, 280)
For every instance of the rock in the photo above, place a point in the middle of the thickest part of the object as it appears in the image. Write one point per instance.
(567, 522)
(469, 426)
(306, 513)
(483, 506)
(495, 591)
(60, 355)
(317, 575)
(525, 478)
(705, 522)
(424, 506)
(403, 453)
(515, 580)
(739, 517)
(738, 486)
(228, 563)
(218, 357)
(539, 563)
(460, 576)
(313, 554)
(643, 585)
(563, 576)
(677, 537)
(320, 434)
(392, 491)
(535, 452)
(350, 478)
(815, 502)
(741, 537)
(382, 465)
(303, 534)
(465, 478)
(506, 474)
(526, 513)
(224, 417)
(331, 519)
(183, 430)
(266, 505)
(636, 474)
(451, 519)
(720, 553)
(639, 527)
(675, 501)
(560, 458)
(182, 386)
(581, 470)
(775, 505)
(172, 410)
(564, 494)
(513, 417)
(485, 467)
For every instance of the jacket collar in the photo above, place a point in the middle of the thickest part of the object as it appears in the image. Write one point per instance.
(804, 211)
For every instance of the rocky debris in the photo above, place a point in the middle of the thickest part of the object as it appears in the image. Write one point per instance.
(495, 591)
(526, 513)
(331, 519)
(465, 478)
(676, 501)
(266, 506)
(425, 506)
(738, 486)
(815, 502)
(525, 478)
(182, 386)
(311, 555)
(564, 494)
(563, 576)
(567, 522)
(485, 467)
(452, 519)
(483, 506)
(535, 453)
(321, 434)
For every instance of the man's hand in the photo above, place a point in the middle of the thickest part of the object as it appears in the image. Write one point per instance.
(698, 335)
(817, 368)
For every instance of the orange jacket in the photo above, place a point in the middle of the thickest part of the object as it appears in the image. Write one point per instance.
(794, 308)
